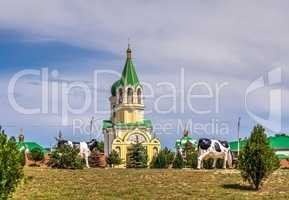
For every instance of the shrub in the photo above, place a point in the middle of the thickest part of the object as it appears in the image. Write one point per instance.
(113, 159)
(178, 162)
(192, 159)
(163, 159)
(11, 170)
(100, 146)
(36, 155)
(257, 160)
(22, 158)
(66, 157)
(137, 156)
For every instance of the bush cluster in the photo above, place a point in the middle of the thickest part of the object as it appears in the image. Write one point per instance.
(66, 157)
(36, 155)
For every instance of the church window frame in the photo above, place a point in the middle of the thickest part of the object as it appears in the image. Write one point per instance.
(130, 95)
(120, 95)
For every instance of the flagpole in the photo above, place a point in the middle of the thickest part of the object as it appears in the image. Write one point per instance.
(239, 121)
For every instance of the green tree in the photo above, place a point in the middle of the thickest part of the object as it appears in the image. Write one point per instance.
(163, 159)
(191, 155)
(36, 155)
(178, 161)
(11, 169)
(113, 159)
(100, 146)
(137, 156)
(257, 160)
(192, 159)
(66, 157)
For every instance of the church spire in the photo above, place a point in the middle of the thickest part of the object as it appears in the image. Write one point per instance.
(128, 51)
(129, 75)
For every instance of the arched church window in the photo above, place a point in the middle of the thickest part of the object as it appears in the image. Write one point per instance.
(129, 95)
(139, 96)
(120, 100)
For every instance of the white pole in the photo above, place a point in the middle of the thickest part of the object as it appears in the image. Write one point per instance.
(239, 121)
(91, 127)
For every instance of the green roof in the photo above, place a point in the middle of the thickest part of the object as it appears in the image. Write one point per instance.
(184, 140)
(146, 123)
(276, 142)
(282, 156)
(129, 75)
(279, 142)
(30, 146)
(234, 145)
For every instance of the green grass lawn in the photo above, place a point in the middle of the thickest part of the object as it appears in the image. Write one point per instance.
(45, 183)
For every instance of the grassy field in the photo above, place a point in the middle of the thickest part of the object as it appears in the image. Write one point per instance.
(44, 183)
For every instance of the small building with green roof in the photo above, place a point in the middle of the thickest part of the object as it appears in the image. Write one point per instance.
(30, 146)
(279, 143)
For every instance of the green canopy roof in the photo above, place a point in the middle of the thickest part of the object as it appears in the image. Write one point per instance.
(277, 142)
(146, 123)
(129, 75)
(30, 146)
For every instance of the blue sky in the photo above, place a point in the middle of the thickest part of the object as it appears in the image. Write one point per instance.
(213, 42)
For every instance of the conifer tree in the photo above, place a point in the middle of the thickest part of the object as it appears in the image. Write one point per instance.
(163, 159)
(113, 159)
(137, 156)
(179, 161)
(257, 160)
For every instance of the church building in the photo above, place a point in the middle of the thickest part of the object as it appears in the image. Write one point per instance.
(127, 124)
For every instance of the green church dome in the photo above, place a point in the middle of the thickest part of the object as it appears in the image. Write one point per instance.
(114, 87)
(128, 77)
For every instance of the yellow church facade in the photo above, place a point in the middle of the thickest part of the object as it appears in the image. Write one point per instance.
(127, 124)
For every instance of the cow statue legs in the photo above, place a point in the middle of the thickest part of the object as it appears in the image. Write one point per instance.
(225, 161)
(200, 162)
(84, 152)
(214, 163)
(214, 149)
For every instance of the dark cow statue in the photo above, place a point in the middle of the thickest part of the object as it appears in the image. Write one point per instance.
(215, 149)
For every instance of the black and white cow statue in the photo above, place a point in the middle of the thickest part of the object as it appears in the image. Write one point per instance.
(214, 149)
(85, 148)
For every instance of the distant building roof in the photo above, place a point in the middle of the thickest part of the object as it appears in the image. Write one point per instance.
(277, 142)
(30, 146)
(184, 140)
